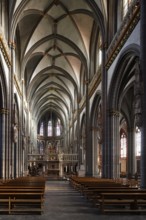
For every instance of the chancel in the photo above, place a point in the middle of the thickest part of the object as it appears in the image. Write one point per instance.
(72, 103)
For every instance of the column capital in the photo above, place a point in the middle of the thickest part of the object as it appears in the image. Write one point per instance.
(86, 82)
(113, 112)
(12, 45)
(103, 45)
(4, 111)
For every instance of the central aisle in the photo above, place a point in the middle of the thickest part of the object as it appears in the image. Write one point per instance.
(62, 202)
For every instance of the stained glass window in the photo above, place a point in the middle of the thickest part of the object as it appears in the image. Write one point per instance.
(50, 130)
(138, 141)
(123, 145)
(58, 128)
(42, 129)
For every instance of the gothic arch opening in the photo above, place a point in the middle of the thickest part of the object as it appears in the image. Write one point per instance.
(123, 107)
(96, 124)
(3, 124)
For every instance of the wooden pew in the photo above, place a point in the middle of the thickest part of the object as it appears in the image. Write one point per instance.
(21, 202)
(24, 195)
(82, 183)
(93, 194)
(126, 195)
(132, 201)
(89, 186)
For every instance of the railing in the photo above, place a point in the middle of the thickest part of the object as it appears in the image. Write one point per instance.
(53, 157)
(127, 26)
(70, 157)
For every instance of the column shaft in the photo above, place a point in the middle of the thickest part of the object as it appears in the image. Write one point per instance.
(143, 70)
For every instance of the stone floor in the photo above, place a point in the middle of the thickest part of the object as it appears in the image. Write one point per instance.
(63, 203)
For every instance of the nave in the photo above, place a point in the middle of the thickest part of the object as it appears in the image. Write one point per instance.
(62, 202)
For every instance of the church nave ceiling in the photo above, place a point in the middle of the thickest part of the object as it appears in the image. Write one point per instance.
(53, 43)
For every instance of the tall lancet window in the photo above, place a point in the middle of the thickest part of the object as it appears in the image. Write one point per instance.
(50, 130)
(58, 127)
(123, 145)
(100, 51)
(138, 141)
(42, 129)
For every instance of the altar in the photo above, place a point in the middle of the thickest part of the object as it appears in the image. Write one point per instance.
(52, 164)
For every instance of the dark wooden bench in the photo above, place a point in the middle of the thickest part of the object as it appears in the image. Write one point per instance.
(93, 187)
(90, 187)
(133, 202)
(24, 202)
(25, 195)
(93, 194)
(83, 183)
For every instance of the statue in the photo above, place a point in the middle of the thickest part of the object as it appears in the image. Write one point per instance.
(61, 156)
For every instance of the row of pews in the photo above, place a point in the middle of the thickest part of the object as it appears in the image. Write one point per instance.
(111, 196)
(23, 195)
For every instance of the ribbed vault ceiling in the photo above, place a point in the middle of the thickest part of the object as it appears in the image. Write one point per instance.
(53, 41)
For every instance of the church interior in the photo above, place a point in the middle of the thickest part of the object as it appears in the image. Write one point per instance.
(72, 90)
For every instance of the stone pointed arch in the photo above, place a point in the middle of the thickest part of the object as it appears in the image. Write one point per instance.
(121, 105)
(3, 123)
(96, 136)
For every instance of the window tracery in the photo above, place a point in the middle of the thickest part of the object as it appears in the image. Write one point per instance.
(50, 130)
(123, 141)
(42, 129)
(58, 127)
(138, 141)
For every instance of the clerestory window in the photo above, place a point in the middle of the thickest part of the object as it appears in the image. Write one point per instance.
(50, 129)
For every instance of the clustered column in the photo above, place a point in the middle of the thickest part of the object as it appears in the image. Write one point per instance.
(113, 146)
(88, 137)
(4, 143)
(143, 70)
